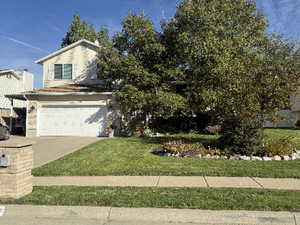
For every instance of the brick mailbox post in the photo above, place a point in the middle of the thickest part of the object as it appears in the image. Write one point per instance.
(16, 163)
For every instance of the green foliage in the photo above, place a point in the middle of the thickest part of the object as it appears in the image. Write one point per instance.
(79, 29)
(297, 124)
(242, 137)
(283, 146)
(235, 71)
(213, 57)
(137, 67)
(103, 37)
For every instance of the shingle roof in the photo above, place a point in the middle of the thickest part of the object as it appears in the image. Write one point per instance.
(73, 88)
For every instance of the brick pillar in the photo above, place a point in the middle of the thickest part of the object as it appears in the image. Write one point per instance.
(16, 179)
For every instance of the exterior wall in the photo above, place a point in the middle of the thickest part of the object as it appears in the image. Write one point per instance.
(295, 101)
(27, 81)
(9, 84)
(83, 57)
(35, 104)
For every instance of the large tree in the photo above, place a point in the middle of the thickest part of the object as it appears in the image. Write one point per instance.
(220, 55)
(80, 29)
(235, 71)
(136, 64)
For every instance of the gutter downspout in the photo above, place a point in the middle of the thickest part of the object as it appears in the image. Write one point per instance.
(26, 123)
(11, 114)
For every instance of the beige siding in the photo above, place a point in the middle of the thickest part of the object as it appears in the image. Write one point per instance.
(9, 84)
(83, 57)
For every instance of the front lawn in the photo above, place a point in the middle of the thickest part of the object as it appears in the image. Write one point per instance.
(188, 198)
(132, 156)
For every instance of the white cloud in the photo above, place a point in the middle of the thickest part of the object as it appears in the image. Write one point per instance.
(23, 43)
(55, 28)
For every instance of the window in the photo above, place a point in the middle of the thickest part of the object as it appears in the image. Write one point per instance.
(63, 71)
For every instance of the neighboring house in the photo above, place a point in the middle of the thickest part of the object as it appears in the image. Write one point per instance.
(287, 118)
(12, 82)
(73, 101)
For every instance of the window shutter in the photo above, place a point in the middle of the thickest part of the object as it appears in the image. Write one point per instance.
(51, 72)
(74, 71)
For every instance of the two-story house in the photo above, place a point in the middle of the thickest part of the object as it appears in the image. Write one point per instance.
(12, 82)
(73, 101)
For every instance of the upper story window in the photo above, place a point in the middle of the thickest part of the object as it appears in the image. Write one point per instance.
(63, 71)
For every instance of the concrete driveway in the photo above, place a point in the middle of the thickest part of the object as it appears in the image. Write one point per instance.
(47, 149)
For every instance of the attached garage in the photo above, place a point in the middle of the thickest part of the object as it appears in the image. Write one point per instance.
(70, 110)
(72, 120)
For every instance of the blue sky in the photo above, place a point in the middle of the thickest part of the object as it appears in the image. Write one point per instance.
(31, 29)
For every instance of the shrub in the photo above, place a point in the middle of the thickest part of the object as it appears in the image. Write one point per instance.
(297, 124)
(183, 149)
(244, 136)
(147, 133)
(283, 146)
(213, 129)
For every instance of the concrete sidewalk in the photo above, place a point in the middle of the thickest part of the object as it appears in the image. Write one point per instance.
(66, 215)
(170, 181)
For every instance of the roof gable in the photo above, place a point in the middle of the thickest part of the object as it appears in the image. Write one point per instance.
(12, 72)
(60, 51)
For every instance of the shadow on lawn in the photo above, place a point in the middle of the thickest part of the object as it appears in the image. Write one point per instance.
(160, 140)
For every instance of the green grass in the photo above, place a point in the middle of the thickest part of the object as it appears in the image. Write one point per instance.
(132, 156)
(190, 198)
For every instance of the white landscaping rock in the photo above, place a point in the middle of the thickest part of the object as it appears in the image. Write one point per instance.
(215, 157)
(276, 158)
(235, 157)
(294, 156)
(208, 156)
(267, 158)
(223, 157)
(243, 157)
(256, 158)
(286, 157)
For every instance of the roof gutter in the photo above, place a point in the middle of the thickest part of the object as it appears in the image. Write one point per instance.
(68, 93)
(24, 96)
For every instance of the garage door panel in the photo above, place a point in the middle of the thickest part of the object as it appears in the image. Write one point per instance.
(72, 120)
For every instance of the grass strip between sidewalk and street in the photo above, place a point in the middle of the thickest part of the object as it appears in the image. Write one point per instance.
(188, 198)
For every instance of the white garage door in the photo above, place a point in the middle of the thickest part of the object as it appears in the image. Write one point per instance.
(58, 120)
